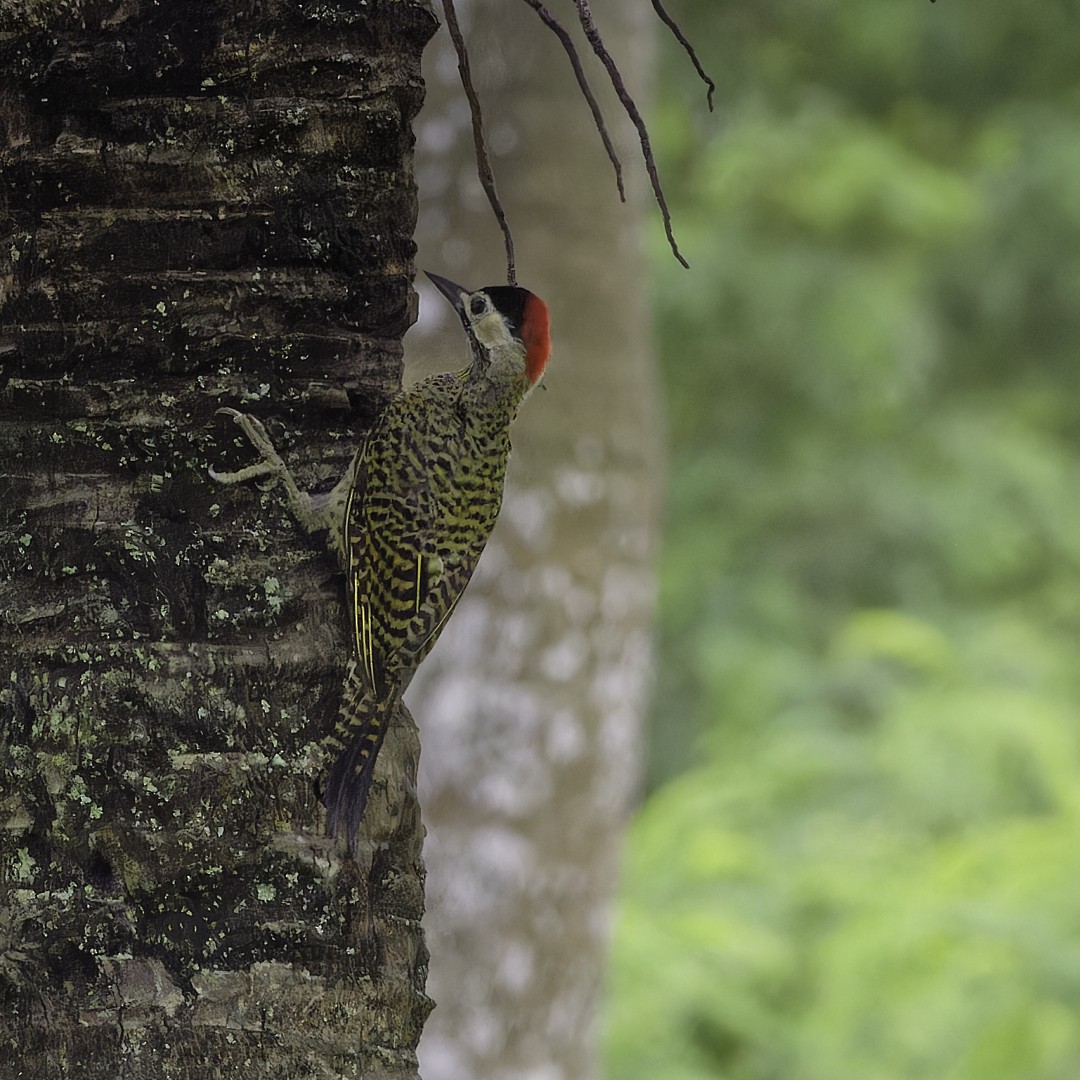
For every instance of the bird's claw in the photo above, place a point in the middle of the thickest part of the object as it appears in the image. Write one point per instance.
(271, 464)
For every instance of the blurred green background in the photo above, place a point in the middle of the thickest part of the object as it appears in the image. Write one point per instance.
(859, 856)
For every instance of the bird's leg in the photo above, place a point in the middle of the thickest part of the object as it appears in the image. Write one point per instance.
(314, 513)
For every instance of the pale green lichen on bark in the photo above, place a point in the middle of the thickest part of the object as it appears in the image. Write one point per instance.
(175, 655)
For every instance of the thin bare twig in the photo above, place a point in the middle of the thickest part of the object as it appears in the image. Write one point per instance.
(680, 37)
(556, 27)
(592, 34)
(598, 47)
(483, 162)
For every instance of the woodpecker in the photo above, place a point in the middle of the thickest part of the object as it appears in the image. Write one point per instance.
(411, 516)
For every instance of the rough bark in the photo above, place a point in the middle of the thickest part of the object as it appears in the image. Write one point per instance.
(205, 203)
(531, 705)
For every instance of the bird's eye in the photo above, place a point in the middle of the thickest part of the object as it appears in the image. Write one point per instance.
(477, 305)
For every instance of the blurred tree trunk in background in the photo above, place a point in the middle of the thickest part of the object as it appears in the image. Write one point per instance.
(204, 203)
(531, 705)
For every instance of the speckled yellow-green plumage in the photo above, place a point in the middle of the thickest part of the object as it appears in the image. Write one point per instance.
(426, 494)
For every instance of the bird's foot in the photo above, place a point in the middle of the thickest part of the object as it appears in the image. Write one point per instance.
(271, 465)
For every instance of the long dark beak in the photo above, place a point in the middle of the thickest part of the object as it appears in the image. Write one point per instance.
(452, 291)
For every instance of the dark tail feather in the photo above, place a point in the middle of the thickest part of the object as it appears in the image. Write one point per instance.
(359, 736)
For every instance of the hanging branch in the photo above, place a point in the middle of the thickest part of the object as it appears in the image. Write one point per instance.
(483, 162)
(680, 37)
(556, 27)
(598, 47)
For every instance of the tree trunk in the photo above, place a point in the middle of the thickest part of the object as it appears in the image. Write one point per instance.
(531, 705)
(209, 203)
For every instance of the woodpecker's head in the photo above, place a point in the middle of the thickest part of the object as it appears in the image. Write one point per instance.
(505, 325)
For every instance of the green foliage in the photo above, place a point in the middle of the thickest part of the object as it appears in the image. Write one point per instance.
(883, 884)
(859, 856)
